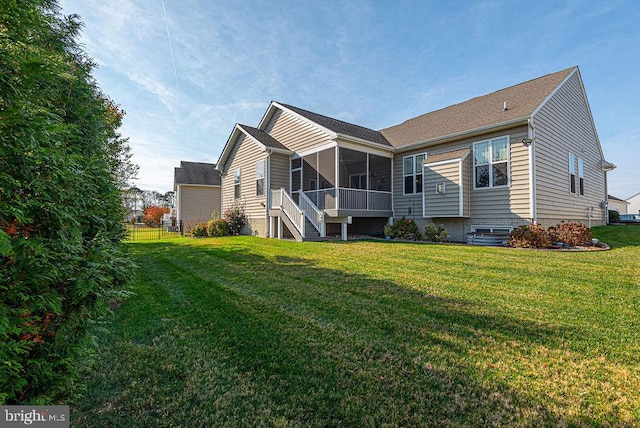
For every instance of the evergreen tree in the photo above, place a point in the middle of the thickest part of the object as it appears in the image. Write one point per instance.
(61, 166)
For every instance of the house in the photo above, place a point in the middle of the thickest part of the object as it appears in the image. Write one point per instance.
(634, 204)
(617, 204)
(198, 188)
(525, 154)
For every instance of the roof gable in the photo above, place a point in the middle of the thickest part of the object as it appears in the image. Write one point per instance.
(521, 100)
(197, 173)
(258, 136)
(263, 138)
(339, 127)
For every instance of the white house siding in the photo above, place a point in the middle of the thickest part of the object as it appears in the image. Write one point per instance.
(634, 204)
(445, 204)
(564, 125)
(294, 132)
(244, 155)
(197, 203)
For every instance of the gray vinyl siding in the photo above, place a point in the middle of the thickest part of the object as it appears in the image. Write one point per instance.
(294, 132)
(467, 185)
(510, 203)
(244, 155)
(279, 171)
(197, 203)
(445, 204)
(564, 125)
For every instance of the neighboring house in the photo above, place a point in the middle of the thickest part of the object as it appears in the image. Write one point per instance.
(617, 204)
(198, 189)
(634, 204)
(525, 154)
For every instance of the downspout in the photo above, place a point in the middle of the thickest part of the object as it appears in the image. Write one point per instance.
(268, 193)
(532, 171)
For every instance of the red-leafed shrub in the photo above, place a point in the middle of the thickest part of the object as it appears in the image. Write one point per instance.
(530, 236)
(153, 215)
(573, 234)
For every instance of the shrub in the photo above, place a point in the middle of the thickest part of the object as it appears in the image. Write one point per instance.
(153, 215)
(530, 236)
(405, 229)
(435, 234)
(614, 216)
(62, 164)
(236, 219)
(199, 230)
(573, 234)
(218, 227)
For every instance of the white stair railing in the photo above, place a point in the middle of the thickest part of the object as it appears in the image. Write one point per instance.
(315, 216)
(291, 210)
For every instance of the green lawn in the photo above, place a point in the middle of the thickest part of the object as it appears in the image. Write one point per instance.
(246, 331)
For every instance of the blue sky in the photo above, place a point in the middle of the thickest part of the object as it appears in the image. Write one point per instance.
(186, 71)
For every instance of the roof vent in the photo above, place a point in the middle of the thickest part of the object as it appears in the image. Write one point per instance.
(505, 106)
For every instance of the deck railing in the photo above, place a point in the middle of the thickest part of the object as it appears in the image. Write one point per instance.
(315, 216)
(280, 199)
(350, 199)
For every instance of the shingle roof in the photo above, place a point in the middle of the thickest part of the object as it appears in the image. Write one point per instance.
(197, 173)
(613, 198)
(522, 100)
(453, 154)
(341, 127)
(263, 137)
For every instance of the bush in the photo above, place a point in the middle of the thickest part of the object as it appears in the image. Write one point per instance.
(573, 234)
(435, 234)
(62, 164)
(236, 219)
(530, 236)
(405, 229)
(199, 230)
(218, 227)
(614, 216)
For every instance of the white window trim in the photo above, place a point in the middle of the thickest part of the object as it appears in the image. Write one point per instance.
(416, 172)
(237, 174)
(473, 153)
(263, 178)
(580, 177)
(572, 171)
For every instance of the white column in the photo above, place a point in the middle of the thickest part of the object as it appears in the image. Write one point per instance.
(344, 231)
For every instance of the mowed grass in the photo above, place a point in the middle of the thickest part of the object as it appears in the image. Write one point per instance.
(245, 331)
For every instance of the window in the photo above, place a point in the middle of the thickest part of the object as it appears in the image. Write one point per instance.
(236, 184)
(581, 175)
(260, 178)
(492, 229)
(576, 181)
(572, 173)
(412, 173)
(491, 162)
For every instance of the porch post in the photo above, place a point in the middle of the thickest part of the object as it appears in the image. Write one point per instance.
(344, 231)
(279, 227)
